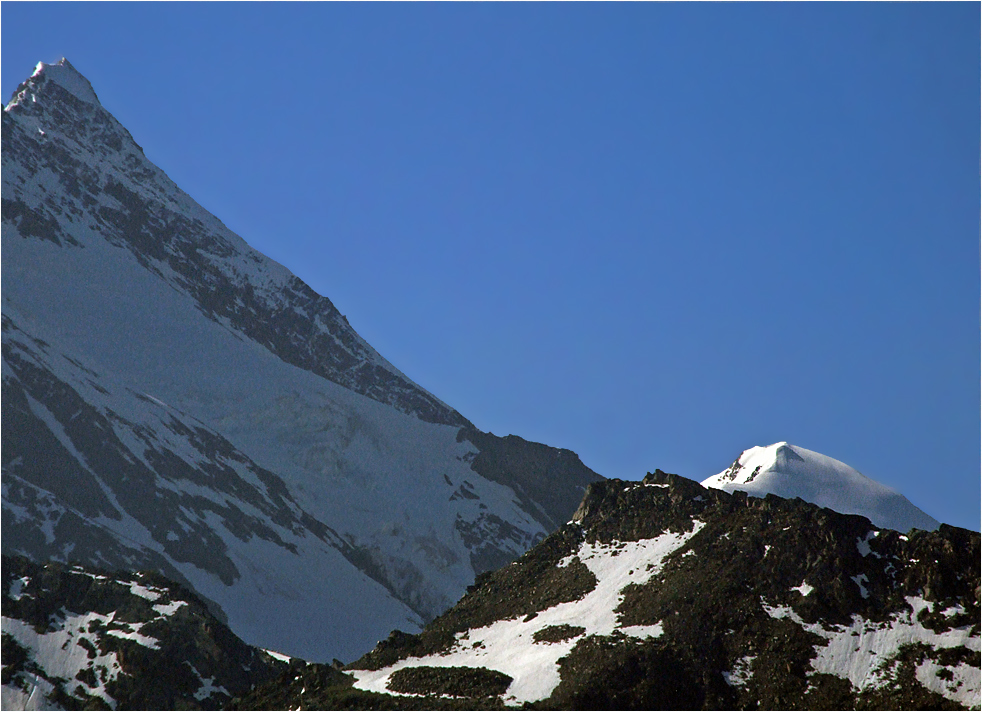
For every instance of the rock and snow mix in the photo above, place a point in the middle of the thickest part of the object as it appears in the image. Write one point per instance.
(741, 673)
(77, 639)
(67, 650)
(729, 606)
(864, 652)
(509, 646)
(70, 647)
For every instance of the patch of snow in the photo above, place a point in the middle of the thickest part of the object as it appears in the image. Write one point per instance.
(168, 609)
(277, 656)
(804, 589)
(858, 580)
(956, 610)
(863, 545)
(16, 591)
(741, 673)
(208, 687)
(144, 592)
(133, 634)
(508, 645)
(643, 631)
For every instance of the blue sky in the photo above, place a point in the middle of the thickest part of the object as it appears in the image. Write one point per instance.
(655, 234)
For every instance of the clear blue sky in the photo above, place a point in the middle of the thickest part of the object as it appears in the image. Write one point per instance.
(655, 234)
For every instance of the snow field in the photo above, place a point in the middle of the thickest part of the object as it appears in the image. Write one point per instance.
(509, 646)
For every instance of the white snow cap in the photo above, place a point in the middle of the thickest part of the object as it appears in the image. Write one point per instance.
(68, 78)
(790, 471)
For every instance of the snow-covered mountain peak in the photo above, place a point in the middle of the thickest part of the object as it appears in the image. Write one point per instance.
(791, 471)
(66, 76)
(61, 73)
(179, 402)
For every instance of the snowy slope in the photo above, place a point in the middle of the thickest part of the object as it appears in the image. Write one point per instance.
(174, 400)
(529, 649)
(791, 471)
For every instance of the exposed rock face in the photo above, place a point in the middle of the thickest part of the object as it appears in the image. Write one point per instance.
(176, 401)
(666, 595)
(80, 639)
(532, 471)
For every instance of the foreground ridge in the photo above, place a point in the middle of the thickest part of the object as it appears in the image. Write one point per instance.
(667, 595)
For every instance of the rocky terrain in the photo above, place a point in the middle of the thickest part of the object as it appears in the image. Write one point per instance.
(666, 595)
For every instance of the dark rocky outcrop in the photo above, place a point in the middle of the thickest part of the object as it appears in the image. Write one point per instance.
(532, 471)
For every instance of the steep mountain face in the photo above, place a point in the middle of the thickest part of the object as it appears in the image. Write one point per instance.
(175, 401)
(662, 594)
(81, 639)
(790, 471)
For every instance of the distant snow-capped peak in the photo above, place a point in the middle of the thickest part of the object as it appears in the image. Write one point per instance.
(791, 471)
